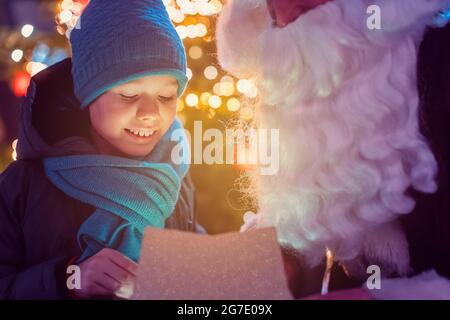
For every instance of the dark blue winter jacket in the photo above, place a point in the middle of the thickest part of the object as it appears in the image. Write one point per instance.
(38, 222)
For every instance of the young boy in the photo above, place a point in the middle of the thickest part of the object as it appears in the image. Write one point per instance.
(94, 166)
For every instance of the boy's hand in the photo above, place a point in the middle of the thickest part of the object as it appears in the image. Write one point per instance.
(107, 274)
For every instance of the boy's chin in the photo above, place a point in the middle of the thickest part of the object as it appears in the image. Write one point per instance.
(137, 151)
(131, 150)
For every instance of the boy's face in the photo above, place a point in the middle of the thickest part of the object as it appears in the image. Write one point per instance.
(129, 119)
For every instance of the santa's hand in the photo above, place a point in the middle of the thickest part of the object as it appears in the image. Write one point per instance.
(250, 221)
(107, 274)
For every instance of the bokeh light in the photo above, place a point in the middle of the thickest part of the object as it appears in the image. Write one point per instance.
(195, 52)
(27, 30)
(215, 102)
(17, 55)
(192, 100)
(233, 104)
(210, 72)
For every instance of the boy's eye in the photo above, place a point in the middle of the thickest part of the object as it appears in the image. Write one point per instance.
(167, 99)
(128, 97)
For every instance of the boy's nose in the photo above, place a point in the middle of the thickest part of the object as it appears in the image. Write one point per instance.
(148, 112)
(151, 120)
(284, 12)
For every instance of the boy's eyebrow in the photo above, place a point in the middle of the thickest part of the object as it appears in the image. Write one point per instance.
(173, 82)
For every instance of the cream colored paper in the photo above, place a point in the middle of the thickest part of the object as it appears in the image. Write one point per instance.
(233, 266)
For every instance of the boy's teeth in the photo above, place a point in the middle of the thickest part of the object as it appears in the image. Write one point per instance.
(142, 133)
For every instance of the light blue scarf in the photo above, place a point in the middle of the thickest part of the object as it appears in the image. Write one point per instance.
(129, 194)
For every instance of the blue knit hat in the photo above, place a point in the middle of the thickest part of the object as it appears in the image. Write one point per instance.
(117, 41)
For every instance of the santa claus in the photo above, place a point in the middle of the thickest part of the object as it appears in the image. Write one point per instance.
(361, 168)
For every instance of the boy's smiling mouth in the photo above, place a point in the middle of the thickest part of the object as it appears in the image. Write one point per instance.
(141, 132)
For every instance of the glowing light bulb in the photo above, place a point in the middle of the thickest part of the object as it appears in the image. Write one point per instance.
(65, 16)
(204, 97)
(191, 100)
(215, 102)
(192, 31)
(67, 4)
(243, 85)
(201, 30)
(210, 72)
(195, 52)
(27, 30)
(17, 55)
(227, 88)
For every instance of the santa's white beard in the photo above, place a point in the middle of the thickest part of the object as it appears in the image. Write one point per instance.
(345, 100)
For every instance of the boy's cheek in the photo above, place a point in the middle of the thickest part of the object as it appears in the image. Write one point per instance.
(167, 117)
